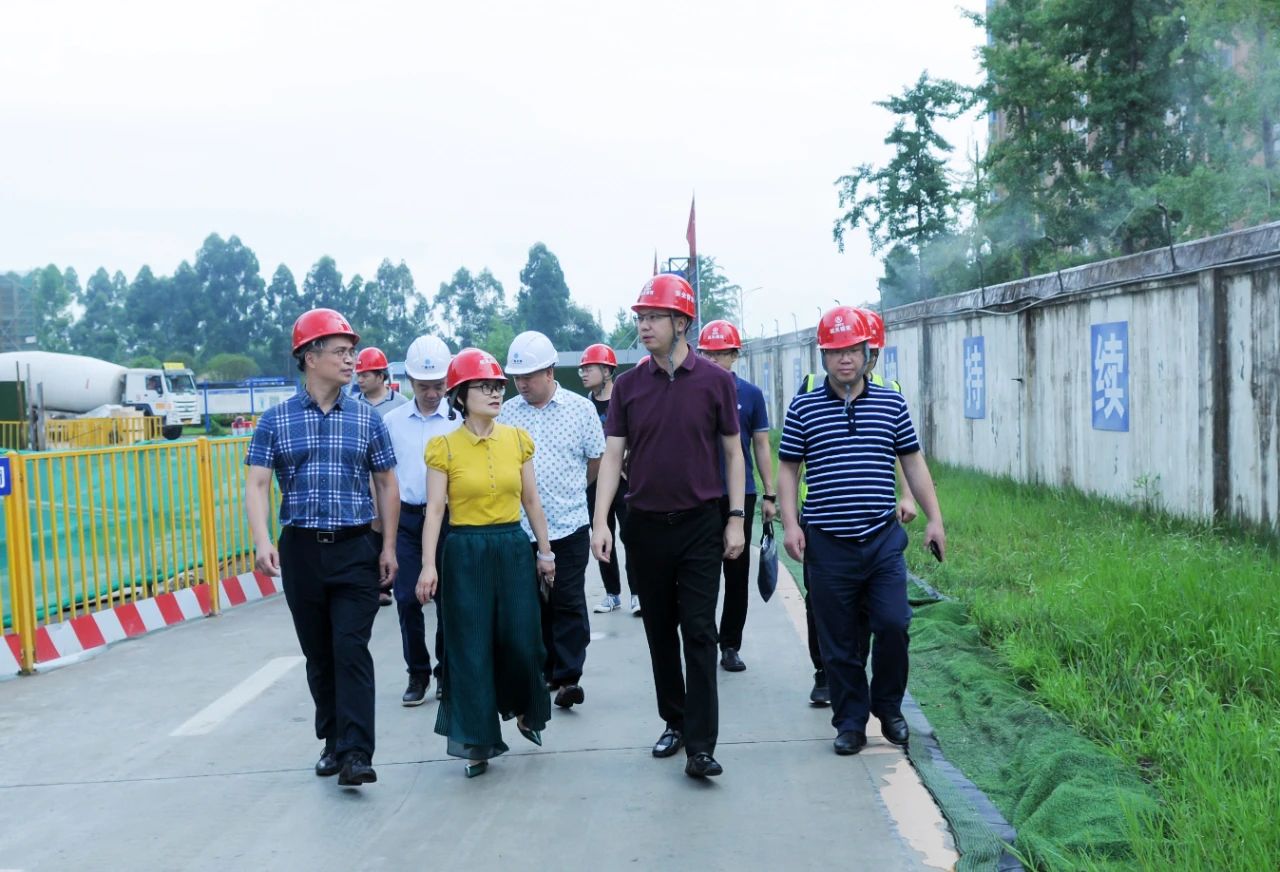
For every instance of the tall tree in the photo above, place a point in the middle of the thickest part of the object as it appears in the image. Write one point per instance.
(624, 333)
(390, 308)
(230, 287)
(468, 305)
(97, 333)
(284, 304)
(52, 294)
(718, 297)
(322, 288)
(911, 200)
(542, 303)
(146, 303)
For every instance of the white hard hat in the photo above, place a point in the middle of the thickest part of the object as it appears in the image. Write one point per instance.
(427, 359)
(530, 352)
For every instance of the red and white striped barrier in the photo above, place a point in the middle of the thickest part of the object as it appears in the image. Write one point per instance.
(67, 639)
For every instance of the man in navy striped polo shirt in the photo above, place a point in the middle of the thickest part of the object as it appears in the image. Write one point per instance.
(848, 434)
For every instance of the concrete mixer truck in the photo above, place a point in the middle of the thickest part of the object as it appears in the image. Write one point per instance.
(73, 386)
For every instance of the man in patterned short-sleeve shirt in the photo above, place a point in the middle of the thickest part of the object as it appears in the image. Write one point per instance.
(567, 432)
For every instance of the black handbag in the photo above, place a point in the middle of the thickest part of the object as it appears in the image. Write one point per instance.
(767, 575)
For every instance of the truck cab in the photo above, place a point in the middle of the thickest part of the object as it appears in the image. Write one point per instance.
(169, 393)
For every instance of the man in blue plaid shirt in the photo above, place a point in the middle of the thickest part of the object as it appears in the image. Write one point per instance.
(323, 447)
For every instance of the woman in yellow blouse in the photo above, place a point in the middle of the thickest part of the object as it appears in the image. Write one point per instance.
(491, 615)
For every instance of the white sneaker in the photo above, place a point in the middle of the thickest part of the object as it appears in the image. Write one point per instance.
(608, 604)
(635, 605)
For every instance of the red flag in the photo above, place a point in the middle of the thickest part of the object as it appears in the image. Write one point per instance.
(692, 235)
(655, 261)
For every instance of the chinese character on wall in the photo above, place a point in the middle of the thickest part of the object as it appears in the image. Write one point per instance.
(1109, 353)
(890, 370)
(975, 378)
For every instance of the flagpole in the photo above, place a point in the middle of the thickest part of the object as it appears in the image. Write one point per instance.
(691, 235)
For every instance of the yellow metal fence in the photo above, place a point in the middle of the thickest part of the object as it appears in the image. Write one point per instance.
(14, 434)
(91, 529)
(61, 434)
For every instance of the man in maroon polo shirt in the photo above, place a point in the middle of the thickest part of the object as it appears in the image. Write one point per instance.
(675, 413)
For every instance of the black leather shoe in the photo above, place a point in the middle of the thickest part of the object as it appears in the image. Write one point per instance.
(356, 769)
(850, 742)
(821, 693)
(668, 743)
(416, 692)
(895, 730)
(327, 764)
(702, 765)
(570, 695)
(730, 660)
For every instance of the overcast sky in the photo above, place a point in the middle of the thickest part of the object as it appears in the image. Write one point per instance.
(460, 134)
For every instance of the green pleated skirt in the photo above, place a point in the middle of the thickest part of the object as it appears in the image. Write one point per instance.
(492, 640)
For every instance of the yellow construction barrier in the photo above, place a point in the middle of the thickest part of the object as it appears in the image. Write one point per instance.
(92, 529)
(72, 433)
(63, 434)
(15, 434)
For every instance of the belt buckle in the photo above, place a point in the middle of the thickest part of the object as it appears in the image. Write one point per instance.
(672, 517)
(324, 537)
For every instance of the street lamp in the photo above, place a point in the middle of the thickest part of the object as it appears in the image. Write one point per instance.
(795, 323)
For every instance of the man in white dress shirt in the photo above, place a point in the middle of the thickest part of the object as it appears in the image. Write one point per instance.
(568, 443)
(412, 426)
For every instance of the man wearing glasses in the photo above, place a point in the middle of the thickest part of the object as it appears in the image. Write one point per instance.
(324, 446)
(675, 413)
(848, 434)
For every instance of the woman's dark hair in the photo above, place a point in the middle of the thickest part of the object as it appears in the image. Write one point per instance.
(458, 399)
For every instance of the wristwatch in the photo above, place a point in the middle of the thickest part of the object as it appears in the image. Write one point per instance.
(737, 513)
(770, 498)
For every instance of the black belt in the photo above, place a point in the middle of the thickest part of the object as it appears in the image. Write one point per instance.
(673, 518)
(328, 537)
(411, 509)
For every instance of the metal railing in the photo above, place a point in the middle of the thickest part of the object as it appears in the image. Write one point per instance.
(73, 433)
(62, 434)
(92, 529)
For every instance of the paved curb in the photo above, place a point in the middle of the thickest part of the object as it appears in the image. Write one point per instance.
(66, 642)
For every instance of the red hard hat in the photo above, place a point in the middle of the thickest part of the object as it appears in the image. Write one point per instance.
(667, 291)
(319, 323)
(876, 323)
(472, 364)
(599, 353)
(719, 336)
(371, 358)
(841, 327)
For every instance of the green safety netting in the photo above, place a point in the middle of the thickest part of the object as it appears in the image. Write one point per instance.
(1002, 768)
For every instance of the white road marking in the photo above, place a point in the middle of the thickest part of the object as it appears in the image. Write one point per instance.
(209, 717)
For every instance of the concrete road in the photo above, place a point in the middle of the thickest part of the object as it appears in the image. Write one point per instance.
(192, 748)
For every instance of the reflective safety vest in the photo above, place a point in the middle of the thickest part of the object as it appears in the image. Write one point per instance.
(813, 381)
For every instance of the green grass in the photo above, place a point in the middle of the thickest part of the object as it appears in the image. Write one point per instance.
(1157, 638)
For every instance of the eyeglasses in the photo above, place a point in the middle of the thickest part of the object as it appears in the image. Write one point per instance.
(650, 317)
(341, 353)
(841, 353)
(490, 389)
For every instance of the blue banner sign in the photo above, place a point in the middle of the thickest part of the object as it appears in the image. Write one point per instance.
(890, 368)
(975, 378)
(1109, 354)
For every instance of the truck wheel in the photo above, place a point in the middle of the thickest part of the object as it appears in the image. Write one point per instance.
(171, 431)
